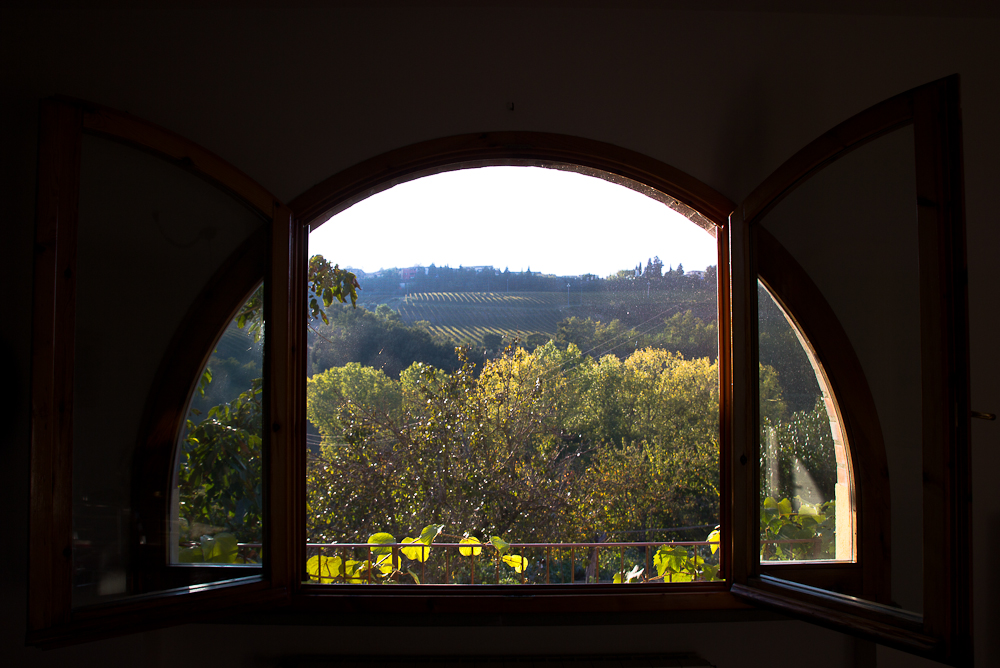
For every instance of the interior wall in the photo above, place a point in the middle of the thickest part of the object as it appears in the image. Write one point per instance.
(293, 96)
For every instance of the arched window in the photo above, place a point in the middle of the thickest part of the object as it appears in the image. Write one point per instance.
(753, 245)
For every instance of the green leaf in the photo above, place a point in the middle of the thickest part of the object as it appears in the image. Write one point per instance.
(415, 553)
(381, 539)
(221, 548)
(414, 576)
(785, 507)
(470, 551)
(430, 532)
(500, 544)
(515, 561)
(710, 572)
(356, 572)
(385, 565)
(669, 559)
(715, 538)
(808, 509)
(190, 555)
(325, 569)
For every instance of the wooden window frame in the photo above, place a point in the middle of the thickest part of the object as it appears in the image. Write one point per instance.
(51, 617)
(746, 252)
(944, 631)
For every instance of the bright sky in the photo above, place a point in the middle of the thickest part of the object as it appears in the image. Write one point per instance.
(552, 221)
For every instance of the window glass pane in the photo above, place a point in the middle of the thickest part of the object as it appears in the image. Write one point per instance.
(151, 237)
(532, 367)
(806, 511)
(852, 227)
(218, 491)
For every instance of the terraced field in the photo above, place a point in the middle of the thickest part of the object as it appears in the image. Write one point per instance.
(466, 316)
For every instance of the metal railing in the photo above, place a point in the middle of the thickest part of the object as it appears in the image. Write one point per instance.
(545, 563)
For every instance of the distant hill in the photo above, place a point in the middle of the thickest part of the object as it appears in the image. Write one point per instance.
(465, 317)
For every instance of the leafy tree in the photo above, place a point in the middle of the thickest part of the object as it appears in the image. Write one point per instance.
(379, 341)
(656, 420)
(478, 450)
(655, 270)
(328, 392)
(219, 478)
(689, 336)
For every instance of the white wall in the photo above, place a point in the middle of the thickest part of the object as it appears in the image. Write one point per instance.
(293, 96)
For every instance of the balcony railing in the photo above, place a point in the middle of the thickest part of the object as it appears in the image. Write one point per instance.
(482, 562)
(518, 563)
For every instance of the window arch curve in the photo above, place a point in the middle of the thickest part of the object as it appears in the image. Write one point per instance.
(612, 163)
(285, 256)
(592, 159)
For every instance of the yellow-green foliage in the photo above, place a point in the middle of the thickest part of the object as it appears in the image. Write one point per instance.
(546, 445)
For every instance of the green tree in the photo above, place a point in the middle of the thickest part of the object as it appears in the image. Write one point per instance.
(688, 335)
(474, 449)
(219, 479)
(353, 383)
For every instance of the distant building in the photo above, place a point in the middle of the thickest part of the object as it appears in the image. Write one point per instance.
(409, 273)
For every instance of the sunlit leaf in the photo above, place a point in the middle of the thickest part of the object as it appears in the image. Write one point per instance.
(714, 538)
(381, 539)
(325, 569)
(415, 553)
(429, 533)
(808, 509)
(669, 559)
(385, 565)
(470, 551)
(515, 561)
(500, 544)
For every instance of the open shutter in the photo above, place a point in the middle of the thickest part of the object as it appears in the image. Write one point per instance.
(882, 195)
(147, 245)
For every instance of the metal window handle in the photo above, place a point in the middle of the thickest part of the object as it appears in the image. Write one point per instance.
(983, 416)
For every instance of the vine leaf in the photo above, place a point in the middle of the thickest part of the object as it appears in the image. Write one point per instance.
(500, 544)
(381, 538)
(415, 553)
(715, 538)
(470, 551)
(515, 561)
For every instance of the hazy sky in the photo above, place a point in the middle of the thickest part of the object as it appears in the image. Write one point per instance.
(550, 220)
